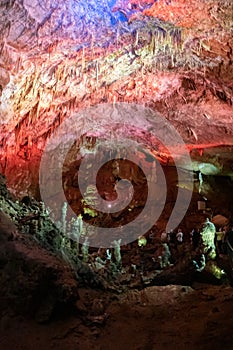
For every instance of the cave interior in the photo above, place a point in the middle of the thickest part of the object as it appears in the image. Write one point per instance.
(116, 174)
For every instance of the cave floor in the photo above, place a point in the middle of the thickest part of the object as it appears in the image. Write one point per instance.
(168, 317)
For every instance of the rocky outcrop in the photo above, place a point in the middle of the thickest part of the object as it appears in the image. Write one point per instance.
(34, 281)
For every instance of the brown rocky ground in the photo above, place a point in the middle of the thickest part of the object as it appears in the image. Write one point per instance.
(170, 317)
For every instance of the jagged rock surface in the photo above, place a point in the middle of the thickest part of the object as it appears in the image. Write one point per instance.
(174, 58)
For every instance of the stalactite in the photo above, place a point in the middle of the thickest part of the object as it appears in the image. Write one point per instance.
(33, 113)
(152, 44)
(20, 128)
(83, 59)
(59, 72)
(2, 48)
(97, 73)
(29, 86)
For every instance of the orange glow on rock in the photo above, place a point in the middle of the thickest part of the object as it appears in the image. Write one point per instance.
(181, 12)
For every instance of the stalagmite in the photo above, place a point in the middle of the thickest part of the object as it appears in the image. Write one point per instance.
(117, 253)
(63, 217)
(85, 248)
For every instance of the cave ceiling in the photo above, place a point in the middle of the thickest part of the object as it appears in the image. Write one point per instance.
(60, 57)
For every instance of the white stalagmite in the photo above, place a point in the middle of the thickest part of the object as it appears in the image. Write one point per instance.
(85, 248)
(117, 252)
(76, 230)
(63, 217)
